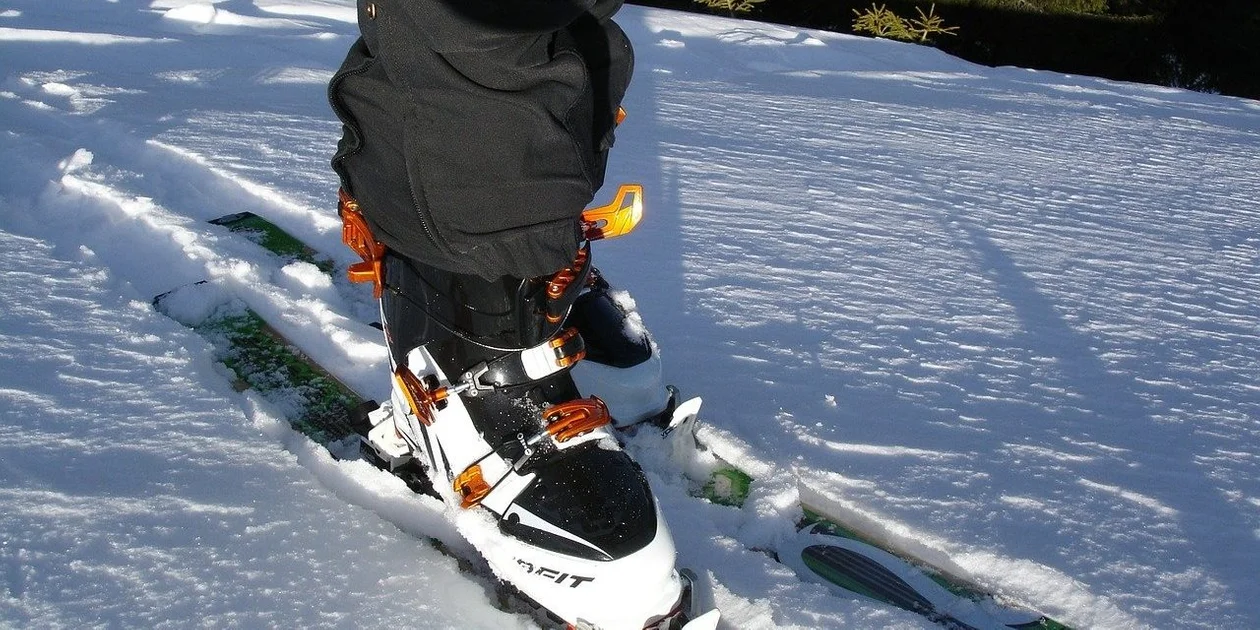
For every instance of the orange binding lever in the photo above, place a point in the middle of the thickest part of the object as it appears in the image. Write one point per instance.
(568, 420)
(471, 486)
(616, 218)
(424, 401)
(358, 236)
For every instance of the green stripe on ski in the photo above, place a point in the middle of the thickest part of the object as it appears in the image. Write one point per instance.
(273, 238)
(317, 405)
(727, 485)
(312, 400)
(812, 517)
(846, 581)
(959, 588)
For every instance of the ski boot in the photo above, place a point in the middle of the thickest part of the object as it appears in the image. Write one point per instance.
(484, 406)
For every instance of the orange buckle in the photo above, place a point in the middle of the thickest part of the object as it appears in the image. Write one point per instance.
(471, 486)
(356, 234)
(422, 400)
(617, 218)
(560, 282)
(568, 420)
(563, 358)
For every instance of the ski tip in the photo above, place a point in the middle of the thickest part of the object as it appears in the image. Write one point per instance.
(707, 621)
(683, 415)
(228, 220)
(822, 554)
(690, 407)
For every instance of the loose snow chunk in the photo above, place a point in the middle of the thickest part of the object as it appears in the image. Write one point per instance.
(306, 275)
(634, 323)
(193, 13)
(59, 89)
(193, 304)
(204, 17)
(624, 300)
(80, 159)
(293, 75)
(324, 9)
(185, 76)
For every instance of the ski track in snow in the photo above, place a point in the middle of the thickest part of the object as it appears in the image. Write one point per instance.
(1005, 318)
(138, 494)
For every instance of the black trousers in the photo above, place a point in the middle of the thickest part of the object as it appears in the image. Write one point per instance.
(476, 131)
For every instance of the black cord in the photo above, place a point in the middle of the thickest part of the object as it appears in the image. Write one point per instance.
(456, 330)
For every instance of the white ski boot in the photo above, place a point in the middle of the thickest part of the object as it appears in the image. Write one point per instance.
(483, 400)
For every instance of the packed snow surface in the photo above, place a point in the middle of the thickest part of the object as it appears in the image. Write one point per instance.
(1009, 319)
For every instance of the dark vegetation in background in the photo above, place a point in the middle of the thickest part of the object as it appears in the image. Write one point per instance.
(1207, 45)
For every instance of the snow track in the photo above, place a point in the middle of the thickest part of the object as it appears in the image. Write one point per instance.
(147, 497)
(1007, 318)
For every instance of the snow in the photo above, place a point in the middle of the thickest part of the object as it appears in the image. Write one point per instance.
(140, 491)
(1008, 319)
(44, 35)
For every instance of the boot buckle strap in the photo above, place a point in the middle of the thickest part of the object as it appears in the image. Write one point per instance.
(525, 366)
(564, 422)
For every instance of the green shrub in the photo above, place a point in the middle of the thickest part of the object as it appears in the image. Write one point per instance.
(881, 22)
(730, 6)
